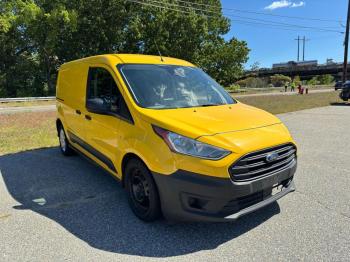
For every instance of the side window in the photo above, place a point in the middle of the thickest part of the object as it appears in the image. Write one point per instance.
(103, 95)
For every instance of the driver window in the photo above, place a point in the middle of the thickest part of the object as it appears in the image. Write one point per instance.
(102, 88)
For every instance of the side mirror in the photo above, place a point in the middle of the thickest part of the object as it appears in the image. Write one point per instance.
(97, 106)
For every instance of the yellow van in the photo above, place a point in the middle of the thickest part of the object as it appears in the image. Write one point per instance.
(181, 146)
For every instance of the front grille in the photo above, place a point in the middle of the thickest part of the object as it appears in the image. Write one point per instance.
(255, 165)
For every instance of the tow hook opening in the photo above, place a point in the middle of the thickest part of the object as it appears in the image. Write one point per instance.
(196, 203)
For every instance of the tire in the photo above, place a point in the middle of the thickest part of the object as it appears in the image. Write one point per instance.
(345, 95)
(64, 144)
(142, 191)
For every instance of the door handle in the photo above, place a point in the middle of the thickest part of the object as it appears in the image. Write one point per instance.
(87, 117)
(78, 112)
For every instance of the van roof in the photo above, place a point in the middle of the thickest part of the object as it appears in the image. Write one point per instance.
(114, 59)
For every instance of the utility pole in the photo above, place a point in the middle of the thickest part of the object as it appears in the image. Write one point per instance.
(304, 40)
(298, 39)
(346, 46)
(304, 44)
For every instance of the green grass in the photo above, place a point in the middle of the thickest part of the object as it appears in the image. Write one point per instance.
(278, 104)
(276, 89)
(25, 131)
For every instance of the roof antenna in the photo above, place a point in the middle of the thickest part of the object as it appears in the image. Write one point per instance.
(160, 54)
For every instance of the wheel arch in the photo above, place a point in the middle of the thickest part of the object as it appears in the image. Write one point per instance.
(58, 125)
(126, 158)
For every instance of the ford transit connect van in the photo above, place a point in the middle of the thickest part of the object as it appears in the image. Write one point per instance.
(181, 146)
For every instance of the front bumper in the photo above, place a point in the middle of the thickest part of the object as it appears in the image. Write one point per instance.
(187, 196)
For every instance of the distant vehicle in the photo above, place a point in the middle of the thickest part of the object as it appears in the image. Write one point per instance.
(293, 64)
(345, 91)
(338, 85)
(307, 63)
(346, 84)
(284, 65)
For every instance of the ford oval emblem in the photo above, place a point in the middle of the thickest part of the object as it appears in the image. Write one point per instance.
(272, 157)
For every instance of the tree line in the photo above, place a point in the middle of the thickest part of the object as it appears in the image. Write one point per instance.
(279, 80)
(37, 36)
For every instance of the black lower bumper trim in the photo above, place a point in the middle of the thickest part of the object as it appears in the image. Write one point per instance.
(187, 196)
(271, 199)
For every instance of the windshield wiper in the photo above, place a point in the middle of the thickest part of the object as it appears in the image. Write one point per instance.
(206, 105)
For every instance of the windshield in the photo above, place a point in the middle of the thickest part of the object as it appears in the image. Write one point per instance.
(170, 86)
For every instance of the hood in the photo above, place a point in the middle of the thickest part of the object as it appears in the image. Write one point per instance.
(204, 121)
(250, 140)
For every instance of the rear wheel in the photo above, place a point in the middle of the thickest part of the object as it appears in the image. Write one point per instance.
(64, 144)
(142, 192)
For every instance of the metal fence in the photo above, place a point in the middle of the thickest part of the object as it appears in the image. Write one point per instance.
(27, 99)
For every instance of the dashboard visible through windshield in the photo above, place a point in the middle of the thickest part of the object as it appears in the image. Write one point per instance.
(172, 86)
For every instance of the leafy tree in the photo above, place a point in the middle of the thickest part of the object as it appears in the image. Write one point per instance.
(31, 34)
(253, 82)
(321, 80)
(233, 88)
(313, 81)
(296, 80)
(255, 66)
(280, 80)
(224, 61)
(37, 36)
(325, 79)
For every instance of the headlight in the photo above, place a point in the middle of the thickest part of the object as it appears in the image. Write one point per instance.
(187, 146)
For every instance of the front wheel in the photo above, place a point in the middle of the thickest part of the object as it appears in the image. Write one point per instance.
(142, 191)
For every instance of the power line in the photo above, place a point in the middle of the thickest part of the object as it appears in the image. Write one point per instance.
(166, 7)
(273, 26)
(335, 35)
(175, 7)
(328, 37)
(262, 13)
(234, 16)
(291, 25)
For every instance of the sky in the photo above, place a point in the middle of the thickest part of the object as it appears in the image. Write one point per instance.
(270, 44)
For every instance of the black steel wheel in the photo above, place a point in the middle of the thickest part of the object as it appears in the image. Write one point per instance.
(142, 191)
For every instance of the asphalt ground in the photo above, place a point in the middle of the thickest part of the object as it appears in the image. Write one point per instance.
(55, 208)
